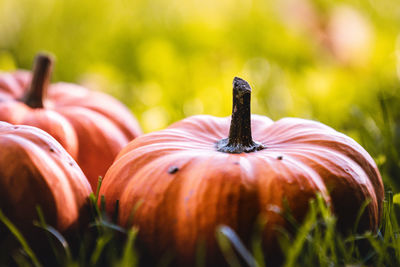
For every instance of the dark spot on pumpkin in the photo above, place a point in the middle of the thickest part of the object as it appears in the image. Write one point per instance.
(236, 163)
(173, 169)
(16, 127)
(51, 149)
(71, 163)
(279, 157)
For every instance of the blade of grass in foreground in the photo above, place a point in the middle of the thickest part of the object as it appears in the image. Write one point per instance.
(227, 250)
(238, 245)
(101, 243)
(20, 239)
(129, 257)
(294, 252)
(51, 231)
(100, 181)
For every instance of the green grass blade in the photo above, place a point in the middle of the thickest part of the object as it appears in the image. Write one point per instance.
(227, 250)
(51, 231)
(108, 225)
(18, 235)
(58, 236)
(129, 257)
(99, 182)
(101, 243)
(238, 245)
(294, 251)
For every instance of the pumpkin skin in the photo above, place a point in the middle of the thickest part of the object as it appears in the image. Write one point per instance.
(180, 185)
(12, 85)
(93, 127)
(36, 170)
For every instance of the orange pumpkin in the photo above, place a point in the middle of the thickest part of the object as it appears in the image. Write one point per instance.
(35, 170)
(93, 127)
(184, 181)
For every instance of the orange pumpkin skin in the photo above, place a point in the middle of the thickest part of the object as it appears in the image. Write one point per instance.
(35, 170)
(12, 85)
(181, 187)
(212, 188)
(93, 127)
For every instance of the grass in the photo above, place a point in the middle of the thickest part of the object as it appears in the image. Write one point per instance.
(200, 47)
(316, 242)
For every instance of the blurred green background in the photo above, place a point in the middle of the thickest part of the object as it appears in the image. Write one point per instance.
(337, 62)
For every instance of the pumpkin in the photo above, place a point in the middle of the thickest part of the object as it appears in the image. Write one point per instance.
(177, 185)
(93, 127)
(35, 170)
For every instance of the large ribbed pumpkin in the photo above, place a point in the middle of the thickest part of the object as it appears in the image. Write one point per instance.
(93, 127)
(177, 185)
(35, 170)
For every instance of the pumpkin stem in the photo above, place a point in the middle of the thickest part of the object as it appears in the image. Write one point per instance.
(37, 91)
(240, 139)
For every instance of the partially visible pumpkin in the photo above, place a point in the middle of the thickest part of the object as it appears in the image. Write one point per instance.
(35, 170)
(177, 185)
(93, 127)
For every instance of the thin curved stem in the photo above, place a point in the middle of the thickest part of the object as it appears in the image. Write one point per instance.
(37, 91)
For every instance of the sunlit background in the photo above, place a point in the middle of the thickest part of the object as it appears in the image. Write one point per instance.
(333, 61)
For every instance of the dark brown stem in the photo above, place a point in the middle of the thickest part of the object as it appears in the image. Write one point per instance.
(240, 139)
(37, 91)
